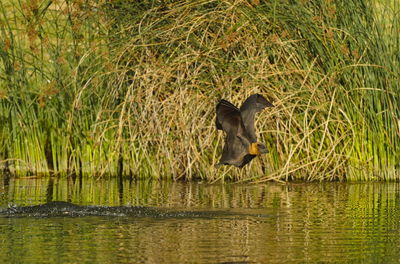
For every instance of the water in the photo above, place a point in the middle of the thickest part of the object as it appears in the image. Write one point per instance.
(199, 222)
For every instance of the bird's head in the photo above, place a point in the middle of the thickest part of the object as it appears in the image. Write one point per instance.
(257, 148)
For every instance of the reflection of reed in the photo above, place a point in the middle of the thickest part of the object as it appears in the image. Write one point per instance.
(191, 195)
(299, 221)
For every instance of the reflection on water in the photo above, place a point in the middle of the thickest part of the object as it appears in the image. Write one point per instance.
(272, 223)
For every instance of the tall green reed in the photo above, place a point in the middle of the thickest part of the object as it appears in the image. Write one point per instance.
(129, 88)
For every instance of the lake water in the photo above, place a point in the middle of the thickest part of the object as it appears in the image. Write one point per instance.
(165, 222)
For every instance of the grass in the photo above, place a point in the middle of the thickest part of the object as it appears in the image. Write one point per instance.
(93, 88)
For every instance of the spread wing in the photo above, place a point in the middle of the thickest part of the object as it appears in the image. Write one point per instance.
(228, 117)
(230, 121)
(253, 104)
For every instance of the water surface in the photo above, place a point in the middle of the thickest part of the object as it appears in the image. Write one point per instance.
(200, 222)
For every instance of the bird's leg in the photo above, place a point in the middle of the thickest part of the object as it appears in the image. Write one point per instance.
(263, 168)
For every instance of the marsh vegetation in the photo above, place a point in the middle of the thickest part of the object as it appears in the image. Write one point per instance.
(130, 87)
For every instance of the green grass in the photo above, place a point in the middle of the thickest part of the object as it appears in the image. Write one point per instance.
(130, 88)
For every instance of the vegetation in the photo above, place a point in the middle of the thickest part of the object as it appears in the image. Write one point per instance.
(129, 87)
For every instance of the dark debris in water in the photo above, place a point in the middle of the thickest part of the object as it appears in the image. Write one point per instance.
(66, 209)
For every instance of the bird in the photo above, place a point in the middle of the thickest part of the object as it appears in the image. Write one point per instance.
(241, 144)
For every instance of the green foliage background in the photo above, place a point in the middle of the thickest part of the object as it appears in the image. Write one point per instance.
(129, 87)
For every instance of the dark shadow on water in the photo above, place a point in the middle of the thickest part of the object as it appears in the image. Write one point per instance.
(66, 209)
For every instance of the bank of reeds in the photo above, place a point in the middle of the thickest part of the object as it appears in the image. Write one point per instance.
(129, 88)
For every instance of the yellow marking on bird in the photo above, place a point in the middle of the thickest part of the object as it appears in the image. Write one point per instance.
(253, 149)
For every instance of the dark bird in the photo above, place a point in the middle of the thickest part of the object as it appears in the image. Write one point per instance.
(241, 144)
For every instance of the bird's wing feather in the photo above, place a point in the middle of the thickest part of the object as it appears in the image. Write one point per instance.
(228, 117)
(233, 152)
(253, 104)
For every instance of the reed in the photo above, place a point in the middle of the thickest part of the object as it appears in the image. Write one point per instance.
(129, 88)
